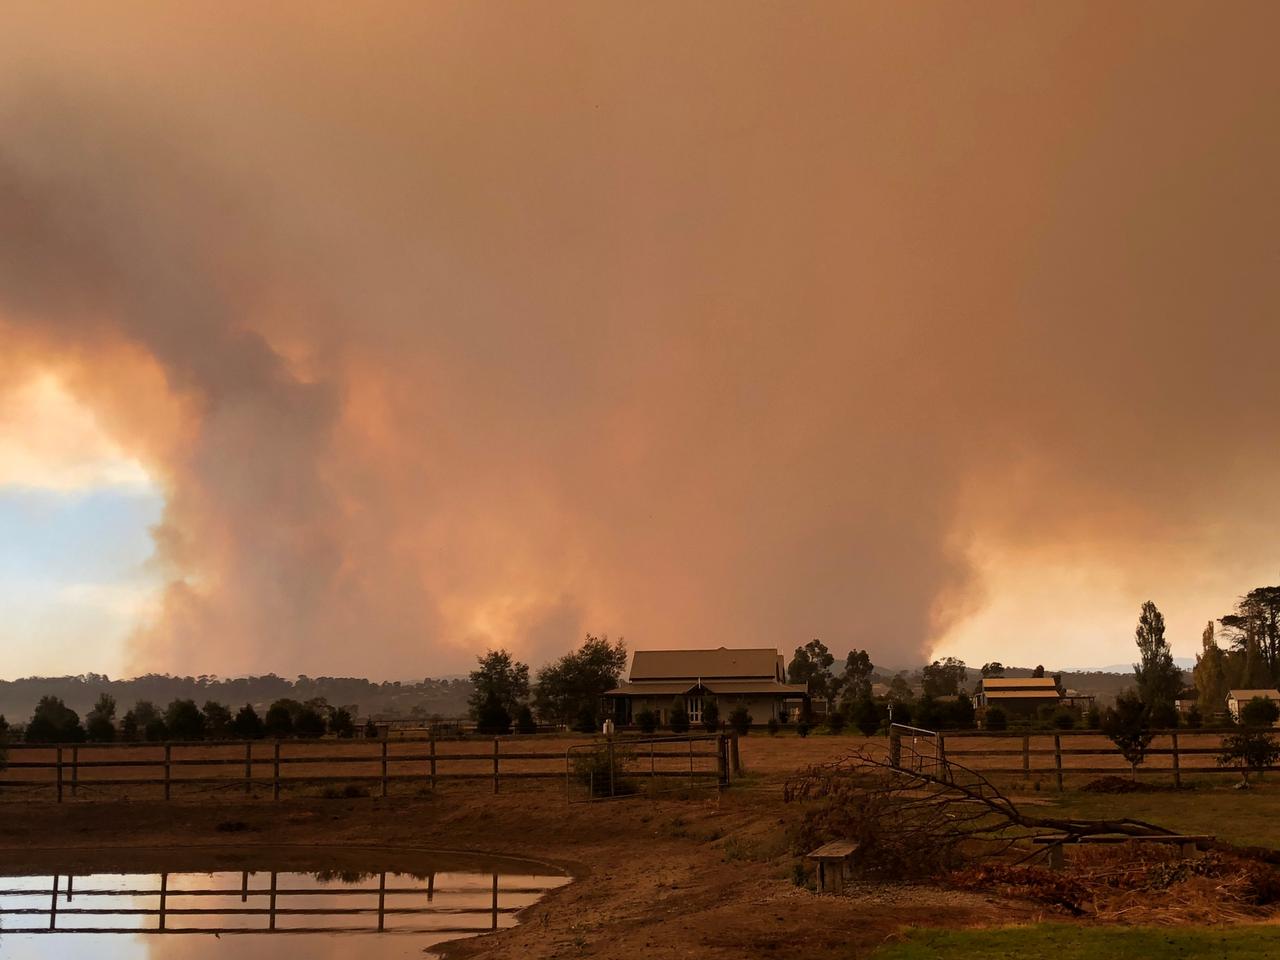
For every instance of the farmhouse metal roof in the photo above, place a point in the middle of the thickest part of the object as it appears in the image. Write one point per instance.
(1018, 683)
(722, 663)
(720, 687)
(1036, 694)
(1250, 694)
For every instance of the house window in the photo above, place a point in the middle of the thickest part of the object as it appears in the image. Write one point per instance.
(694, 706)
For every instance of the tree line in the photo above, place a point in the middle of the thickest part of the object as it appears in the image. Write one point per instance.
(53, 721)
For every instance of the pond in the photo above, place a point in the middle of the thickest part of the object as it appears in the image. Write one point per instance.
(400, 908)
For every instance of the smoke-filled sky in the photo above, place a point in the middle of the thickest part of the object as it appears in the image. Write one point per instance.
(356, 338)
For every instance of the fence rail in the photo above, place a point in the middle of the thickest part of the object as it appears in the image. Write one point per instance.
(75, 771)
(1173, 753)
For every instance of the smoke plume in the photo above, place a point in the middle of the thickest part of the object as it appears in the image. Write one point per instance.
(453, 325)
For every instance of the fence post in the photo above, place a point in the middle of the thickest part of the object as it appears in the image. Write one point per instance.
(735, 759)
(248, 767)
(432, 747)
(164, 895)
(167, 760)
(275, 795)
(1057, 758)
(75, 769)
(384, 767)
(1177, 767)
(495, 764)
(691, 761)
(1026, 756)
(722, 759)
(59, 774)
(611, 787)
(895, 748)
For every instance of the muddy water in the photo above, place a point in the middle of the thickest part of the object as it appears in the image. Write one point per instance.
(265, 913)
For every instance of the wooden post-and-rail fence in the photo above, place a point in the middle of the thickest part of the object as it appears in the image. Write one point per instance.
(105, 770)
(1036, 755)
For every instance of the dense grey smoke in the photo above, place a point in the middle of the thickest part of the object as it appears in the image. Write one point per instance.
(453, 325)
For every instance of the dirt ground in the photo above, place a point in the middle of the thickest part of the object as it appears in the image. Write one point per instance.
(706, 876)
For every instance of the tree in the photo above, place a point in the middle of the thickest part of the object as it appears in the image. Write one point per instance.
(993, 669)
(855, 682)
(217, 720)
(279, 720)
(1250, 748)
(247, 725)
(370, 729)
(1127, 724)
(1038, 672)
(524, 720)
(963, 713)
(129, 731)
(1210, 674)
(309, 722)
(995, 719)
(492, 718)
(570, 688)
(1259, 712)
(184, 721)
(647, 721)
(740, 720)
(342, 723)
(943, 678)
(501, 677)
(100, 724)
(1158, 678)
(1257, 618)
(899, 689)
(54, 722)
(835, 722)
(866, 716)
(678, 719)
(811, 665)
(710, 715)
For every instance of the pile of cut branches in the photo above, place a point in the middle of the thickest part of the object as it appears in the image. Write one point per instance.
(923, 819)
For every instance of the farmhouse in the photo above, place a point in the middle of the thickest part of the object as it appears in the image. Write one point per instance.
(754, 678)
(1236, 699)
(1020, 696)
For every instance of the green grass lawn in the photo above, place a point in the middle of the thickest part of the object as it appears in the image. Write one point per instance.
(1057, 941)
(1250, 817)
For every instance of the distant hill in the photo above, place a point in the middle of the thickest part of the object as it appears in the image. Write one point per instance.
(425, 698)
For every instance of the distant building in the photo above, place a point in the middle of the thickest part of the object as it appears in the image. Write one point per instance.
(1020, 696)
(1074, 698)
(1236, 699)
(754, 678)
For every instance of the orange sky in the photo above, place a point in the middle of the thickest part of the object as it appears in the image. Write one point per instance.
(917, 327)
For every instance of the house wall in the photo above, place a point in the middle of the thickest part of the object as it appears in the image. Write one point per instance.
(761, 708)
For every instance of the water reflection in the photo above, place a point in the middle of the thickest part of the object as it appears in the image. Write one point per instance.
(197, 915)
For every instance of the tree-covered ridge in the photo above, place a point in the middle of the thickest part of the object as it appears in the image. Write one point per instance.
(425, 698)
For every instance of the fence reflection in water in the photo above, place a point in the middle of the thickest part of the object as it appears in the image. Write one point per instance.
(267, 902)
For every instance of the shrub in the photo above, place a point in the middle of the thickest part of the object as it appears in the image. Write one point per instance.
(647, 721)
(1064, 719)
(1194, 717)
(835, 722)
(370, 729)
(1093, 717)
(773, 726)
(99, 729)
(586, 720)
(1164, 716)
(156, 730)
(679, 720)
(1250, 749)
(1128, 726)
(996, 719)
(740, 720)
(866, 715)
(524, 720)
(710, 716)
(592, 769)
(802, 728)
